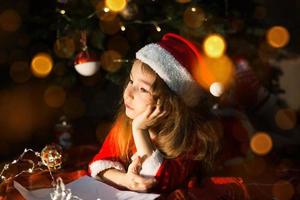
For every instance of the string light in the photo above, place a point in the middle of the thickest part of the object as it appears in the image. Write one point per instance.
(157, 27)
(62, 12)
(34, 167)
(106, 10)
(60, 192)
(123, 28)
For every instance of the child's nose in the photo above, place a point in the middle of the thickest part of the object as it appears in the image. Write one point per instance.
(130, 92)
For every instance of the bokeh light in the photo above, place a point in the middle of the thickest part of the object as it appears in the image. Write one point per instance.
(64, 47)
(261, 143)
(102, 12)
(214, 46)
(20, 71)
(213, 70)
(283, 190)
(286, 118)
(10, 20)
(278, 36)
(109, 61)
(41, 65)
(130, 11)
(54, 96)
(193, 17)
(216, 89)
(115, 5)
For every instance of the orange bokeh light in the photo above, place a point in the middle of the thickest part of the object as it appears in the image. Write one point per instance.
(278, 36)
(41, 65)
(261, 143)
(213, 70)
(286, 119)
(283, 190)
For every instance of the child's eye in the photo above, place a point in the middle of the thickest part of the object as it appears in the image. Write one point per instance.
(130, 81)
(144, 90)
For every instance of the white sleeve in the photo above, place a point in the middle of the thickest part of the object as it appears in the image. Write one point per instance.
(152, 164)
(99, 165)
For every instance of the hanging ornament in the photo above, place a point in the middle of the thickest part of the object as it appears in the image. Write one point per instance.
(247, 85)
(86, 62)
(51, 156)
(63, 132)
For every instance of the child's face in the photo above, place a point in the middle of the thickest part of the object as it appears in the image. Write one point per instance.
(138, 93)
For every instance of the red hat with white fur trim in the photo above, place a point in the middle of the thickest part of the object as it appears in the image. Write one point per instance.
(174, 58)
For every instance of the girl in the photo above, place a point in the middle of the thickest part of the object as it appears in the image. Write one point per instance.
(164, 133)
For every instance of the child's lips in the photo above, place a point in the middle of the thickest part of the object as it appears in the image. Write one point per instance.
(129, 107)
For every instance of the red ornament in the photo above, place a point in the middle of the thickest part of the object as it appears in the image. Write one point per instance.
(86, 63)
(247, 85)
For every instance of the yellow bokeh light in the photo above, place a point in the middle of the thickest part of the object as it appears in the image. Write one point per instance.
(41, 65)
(278, 36)
(261, 143)
(55, 96)
(115, 5)
(286, 119)
(213, 70)
(283, 190)
(214, 46)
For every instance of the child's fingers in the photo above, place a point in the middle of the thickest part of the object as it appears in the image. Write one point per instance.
(136, 165)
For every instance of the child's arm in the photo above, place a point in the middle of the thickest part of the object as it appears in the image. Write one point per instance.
(130, 180)
(140, 126)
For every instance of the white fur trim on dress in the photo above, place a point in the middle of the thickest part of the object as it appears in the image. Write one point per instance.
(98, 166)
(171, 71)
(152, 164)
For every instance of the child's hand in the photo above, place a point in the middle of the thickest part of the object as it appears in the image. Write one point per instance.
(136, 182)
(149, 117)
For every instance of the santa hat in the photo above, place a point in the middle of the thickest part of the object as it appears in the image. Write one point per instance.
(174, 59)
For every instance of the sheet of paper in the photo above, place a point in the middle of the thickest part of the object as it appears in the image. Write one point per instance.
(86, 188)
